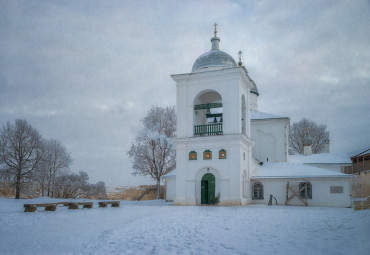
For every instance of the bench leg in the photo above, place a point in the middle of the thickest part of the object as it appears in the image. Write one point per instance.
(102, 204)
(51, 208)
(72, 206)
(30, 208)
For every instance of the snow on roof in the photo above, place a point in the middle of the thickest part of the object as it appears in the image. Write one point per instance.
(323, 158)
(256, 115)
(295, 171)
(359, 152)
(170, 174)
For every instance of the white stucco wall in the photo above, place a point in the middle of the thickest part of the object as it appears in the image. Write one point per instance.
(321, 195)
(228, 172)
(271, 137)
(227, 86)
(170, 183)
(230, 84)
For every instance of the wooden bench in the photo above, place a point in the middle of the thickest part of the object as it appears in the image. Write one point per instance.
(53, 206)
(72, 205)
(105, 203)
(33, 207)
(63, 203)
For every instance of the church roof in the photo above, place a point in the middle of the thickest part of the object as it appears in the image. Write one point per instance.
(294, 171)
(215, 58)
(256, 115)
(323, 158)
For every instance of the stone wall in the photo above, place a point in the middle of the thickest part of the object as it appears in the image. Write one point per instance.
(143, 192)
(361, 205)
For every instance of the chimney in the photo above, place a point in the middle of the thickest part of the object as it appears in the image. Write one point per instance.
(307, 142)
(326, 146)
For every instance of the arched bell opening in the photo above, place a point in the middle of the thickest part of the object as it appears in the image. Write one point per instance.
(208, 113)
(208, 189)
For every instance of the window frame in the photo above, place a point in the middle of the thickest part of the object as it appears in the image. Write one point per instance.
(257, 191)
(302, 194)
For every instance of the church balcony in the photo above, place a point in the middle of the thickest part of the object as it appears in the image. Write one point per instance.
(210, 129)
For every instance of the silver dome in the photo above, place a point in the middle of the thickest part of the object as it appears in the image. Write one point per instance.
(214, 58)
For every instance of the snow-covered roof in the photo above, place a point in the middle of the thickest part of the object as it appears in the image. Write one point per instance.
(294, 171)
(256, 115)
(170, 174)
(323, 158)
(359, 153)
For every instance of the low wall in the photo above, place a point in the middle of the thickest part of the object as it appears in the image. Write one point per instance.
(361, 185)
(360, 205)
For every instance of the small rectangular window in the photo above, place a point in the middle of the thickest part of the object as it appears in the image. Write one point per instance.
(336, 189)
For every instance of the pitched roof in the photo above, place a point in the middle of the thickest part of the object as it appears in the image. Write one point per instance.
(323, 158)
(294, 171)
(256, 115)
(359, 153)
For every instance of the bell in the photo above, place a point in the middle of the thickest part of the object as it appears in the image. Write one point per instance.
(215, 120)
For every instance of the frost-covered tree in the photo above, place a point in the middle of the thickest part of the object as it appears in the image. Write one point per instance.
(55, 160)
(21, 151)
(317, 132)
(153, 151)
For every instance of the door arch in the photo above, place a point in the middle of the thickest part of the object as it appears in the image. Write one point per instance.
(208, 187)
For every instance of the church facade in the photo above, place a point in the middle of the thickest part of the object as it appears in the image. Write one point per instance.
(226, 149)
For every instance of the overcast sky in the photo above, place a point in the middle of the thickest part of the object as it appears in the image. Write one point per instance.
(86, 72)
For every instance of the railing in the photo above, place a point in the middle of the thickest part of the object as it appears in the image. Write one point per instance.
(211, 129)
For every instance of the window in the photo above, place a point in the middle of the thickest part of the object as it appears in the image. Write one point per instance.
(192, 155)
(336, 189)
(207, 154)
(222, 154)
(303, 192)
(258, 191)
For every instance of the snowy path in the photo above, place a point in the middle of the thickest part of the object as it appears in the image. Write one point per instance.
(155, 228)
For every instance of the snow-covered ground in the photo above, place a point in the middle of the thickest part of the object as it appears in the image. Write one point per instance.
(157, 227)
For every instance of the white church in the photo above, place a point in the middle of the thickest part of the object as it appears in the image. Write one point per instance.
(228, 152)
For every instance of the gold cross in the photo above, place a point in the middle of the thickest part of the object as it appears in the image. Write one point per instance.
(215, 28)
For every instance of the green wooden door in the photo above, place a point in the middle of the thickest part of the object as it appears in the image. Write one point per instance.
(208, 186)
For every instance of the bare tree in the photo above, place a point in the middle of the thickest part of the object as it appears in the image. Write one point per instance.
(70, 185)
(20, 153)
(153, 152)
(317, 132)
(55, 160)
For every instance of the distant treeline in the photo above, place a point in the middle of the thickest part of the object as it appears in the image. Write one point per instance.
(32, 166)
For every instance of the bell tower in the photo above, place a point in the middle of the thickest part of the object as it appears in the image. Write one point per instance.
(213, 145)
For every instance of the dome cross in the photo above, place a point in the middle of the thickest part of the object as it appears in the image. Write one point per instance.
(215, 32)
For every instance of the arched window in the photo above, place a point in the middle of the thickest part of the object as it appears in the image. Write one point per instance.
(257, 191)
(307, 194)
